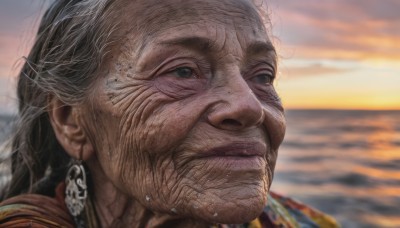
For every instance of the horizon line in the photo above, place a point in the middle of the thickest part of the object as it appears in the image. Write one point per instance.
(343, 109)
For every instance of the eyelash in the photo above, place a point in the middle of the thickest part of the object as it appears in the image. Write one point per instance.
(180, 68)
(267, 79)
(267, 74)
(195, 65)
(262, 76)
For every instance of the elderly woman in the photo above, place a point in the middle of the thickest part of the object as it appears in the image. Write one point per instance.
(148, 113)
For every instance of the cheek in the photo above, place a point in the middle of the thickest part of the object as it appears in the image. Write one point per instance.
(148, 122)
(145, 121)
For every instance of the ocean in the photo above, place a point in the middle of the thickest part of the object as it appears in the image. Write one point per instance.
(344, 163)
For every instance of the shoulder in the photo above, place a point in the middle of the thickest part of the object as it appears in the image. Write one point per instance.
(31, 210)
(285, 212)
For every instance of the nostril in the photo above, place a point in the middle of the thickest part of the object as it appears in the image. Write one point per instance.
(231, 122)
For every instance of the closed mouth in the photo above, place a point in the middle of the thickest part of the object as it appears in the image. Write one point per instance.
(237, 149)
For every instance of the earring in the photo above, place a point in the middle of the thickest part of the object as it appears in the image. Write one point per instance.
(76, 189)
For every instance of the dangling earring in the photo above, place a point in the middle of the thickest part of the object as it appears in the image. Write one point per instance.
(76, 189)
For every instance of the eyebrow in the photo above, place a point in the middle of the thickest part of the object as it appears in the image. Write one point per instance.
(260, 47)
(201, 44)
(204, 44)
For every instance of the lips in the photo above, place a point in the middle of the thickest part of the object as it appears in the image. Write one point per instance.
(237, 149)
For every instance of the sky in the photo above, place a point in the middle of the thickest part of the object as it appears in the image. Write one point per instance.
(338, 54)
(333, 54)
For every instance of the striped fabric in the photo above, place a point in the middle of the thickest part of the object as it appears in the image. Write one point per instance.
(284, 212)
(40, 211)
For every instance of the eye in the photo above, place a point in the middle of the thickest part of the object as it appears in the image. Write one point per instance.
(263, 79)
(184, 72)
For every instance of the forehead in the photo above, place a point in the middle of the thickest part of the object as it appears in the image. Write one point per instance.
(150, 17)
(149, 21)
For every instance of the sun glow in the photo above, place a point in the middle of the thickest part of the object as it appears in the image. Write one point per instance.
(330, 62)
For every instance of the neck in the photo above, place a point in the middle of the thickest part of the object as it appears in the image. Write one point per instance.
(115, 209)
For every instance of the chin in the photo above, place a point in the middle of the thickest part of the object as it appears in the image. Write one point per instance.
(232, 206)
(239, 214)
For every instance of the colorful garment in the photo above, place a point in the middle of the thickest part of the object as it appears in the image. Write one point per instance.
(284, 212)
(41, 211)
(36, 211)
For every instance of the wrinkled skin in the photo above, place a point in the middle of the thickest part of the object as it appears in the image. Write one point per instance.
(187, 123)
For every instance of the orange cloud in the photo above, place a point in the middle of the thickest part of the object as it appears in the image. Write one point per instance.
(312, 70)
(338, 30)
(310, 52)
(12, 50)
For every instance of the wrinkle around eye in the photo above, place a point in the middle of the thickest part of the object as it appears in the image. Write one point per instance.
(260, 67)
(199, 68)
(179, 73)
(179, 89)
(267, 94)
(263, 78)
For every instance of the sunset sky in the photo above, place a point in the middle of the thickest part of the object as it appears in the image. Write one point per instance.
(338, 54)
(342, 54)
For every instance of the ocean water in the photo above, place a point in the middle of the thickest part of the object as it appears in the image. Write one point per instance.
(5, 126)
(345, 163)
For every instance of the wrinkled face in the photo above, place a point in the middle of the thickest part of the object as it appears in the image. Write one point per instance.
(188, 121)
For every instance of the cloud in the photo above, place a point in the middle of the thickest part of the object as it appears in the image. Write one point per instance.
(12, 50)
(344, 29)
(15, 15)
(18, 24)
(312, 70)
(342, 10)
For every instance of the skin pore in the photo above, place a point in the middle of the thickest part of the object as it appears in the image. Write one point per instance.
(186, 124)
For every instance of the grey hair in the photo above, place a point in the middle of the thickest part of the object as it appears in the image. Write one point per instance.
(70, 48)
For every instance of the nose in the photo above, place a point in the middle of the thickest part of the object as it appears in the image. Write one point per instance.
(238, 107)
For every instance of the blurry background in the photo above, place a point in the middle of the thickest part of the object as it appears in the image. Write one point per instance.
(341, 55)
(340, 83)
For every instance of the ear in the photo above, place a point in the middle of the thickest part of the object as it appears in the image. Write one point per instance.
(67, 125)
